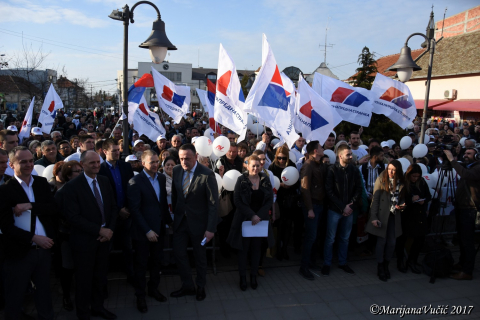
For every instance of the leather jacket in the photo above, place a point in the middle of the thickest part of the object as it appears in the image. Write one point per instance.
(343, 186)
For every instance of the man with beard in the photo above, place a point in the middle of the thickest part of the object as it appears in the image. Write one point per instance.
(372, 169)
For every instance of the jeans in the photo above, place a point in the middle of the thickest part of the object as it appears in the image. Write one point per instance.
(344, 224)
(311, 227)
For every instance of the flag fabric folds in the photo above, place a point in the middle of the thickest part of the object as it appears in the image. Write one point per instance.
(229, 99)
(135, 93)
(27, 122)
(394, 100)
(314, 116)
(353, 104)
(50, 106)
(173, 99)
(147, 122)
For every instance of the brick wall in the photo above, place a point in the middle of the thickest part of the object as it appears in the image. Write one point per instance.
(464, 22)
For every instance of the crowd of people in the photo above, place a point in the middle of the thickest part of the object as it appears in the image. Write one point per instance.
(164, 195)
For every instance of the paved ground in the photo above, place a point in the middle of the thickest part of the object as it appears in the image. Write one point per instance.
(284, 294)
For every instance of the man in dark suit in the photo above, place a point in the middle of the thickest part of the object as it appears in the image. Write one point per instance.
(119, 173)
(91, 211)
(4, 178)
(147, 199)
(194, 202)
(28, 236)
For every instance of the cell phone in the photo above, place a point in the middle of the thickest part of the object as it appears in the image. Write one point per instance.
(203, 241)
(379, 224)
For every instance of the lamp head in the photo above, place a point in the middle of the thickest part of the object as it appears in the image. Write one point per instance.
(431, 27)
(158, 42)
(405, 65)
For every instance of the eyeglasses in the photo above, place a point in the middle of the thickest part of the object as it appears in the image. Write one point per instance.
(282, 158)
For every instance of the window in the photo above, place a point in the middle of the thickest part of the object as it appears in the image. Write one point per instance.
(172, 76)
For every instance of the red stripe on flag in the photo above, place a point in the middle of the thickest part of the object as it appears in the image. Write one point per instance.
(223, 82)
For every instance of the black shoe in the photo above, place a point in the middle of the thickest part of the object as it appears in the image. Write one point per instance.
(183, 292)
(285, 254)
(67, 304)
(279, 254)
(414, 267)
(306, 274)
(157, 295)
(131, 281)
(347, 269)
(253, 282)
(243, 283)
(385, 267)
(142, 305)
(314, 267)
(401, 266)
(201, 295)
(325, 271)
(381, 272)
(103, 313)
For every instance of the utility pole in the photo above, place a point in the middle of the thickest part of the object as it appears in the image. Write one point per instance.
(325, 45)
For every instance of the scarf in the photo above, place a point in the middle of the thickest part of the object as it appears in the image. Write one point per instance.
(394, 196)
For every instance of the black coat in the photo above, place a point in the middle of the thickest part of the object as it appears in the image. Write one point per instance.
(414, 217)
(126, 172)
(44, 161)
(343, 186)
(147, 212)
(83, 214)
(18, 241)
(242, 196)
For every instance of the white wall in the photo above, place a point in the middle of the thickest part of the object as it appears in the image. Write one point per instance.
(467, 88)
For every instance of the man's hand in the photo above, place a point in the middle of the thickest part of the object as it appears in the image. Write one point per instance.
(105, 233)
(348, 211)
(449, 155)
(221, 171)
(255, 219)
(124, 213)
(311, 214)
(376, 223)
(152, 236)
(265, 138)
(19, 208)
(42, 241)
(209, 235)
(364, 159)
(360, 131)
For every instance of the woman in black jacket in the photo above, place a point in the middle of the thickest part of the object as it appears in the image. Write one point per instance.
(253, 197)
(414, 218)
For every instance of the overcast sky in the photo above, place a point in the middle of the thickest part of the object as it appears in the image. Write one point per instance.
(80, 36)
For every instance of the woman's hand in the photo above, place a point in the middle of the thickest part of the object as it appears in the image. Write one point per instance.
(255, 219)
(283, 185)
(415, 198)
(376, 223)
(400, 207)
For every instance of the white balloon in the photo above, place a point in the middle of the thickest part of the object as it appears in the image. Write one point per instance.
(391, 143)
(230, 179)
(48, 172)
(462, 141)
(203, 145)
(208, 133)
(432, 193)
(274, 142)
(219, 181)
(410, 126)
(362, 146)
(419, 151)
(221, 145)
(331, 155)
(135, 173)
(430, 181)
(277, 183)
(405, 164)
(405, 143)
(426, 139)
(434, 177)
(39, 168)
(424, 168)
(256, 128)
(213, 157)
(290, 176)
(292, 156)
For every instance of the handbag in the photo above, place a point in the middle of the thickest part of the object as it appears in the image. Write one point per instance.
(225, 205)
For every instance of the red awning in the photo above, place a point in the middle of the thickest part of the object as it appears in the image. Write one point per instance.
(432, 104)
(460, 105)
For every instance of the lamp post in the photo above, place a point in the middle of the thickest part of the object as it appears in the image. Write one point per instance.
(405, 66)
(158, 44)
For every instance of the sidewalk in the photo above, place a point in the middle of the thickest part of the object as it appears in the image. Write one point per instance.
(284, 294)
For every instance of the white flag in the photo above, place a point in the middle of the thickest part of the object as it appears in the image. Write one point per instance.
(50, 106)
(146, 122)
(27, 123)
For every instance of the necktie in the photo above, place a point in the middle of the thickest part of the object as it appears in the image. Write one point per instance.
(186, 183)
(99, 200)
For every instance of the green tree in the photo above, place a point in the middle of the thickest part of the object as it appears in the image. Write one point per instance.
(381, 127)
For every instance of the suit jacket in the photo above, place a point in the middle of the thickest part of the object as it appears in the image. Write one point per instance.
(147, 212)
(126, 172)
(18, 241)
(83, 213)
(200, 204)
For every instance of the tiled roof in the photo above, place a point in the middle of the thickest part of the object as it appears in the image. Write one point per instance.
(13, 84)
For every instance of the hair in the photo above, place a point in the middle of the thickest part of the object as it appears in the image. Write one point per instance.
(312, 146)
(188, 146)
(242, 145)
(5, 133)
(62, 142)
(398, 176)
(353, 132)
(257, 152)
(147, 153)
(339, 143)
(47, 143)
(51, 134)
(201, 158)
(108, 143)
(84, 155)
(176, 135)
(73, 138)
(412, 169)
(233, 144)
(168, 159)
(13, 152)
(67, 169)
(372, 141)
(283, 150)
(324, 157)
(252, 158)
(375, 151)
(3, 153)
(57, 168)
(331, 135)
(342, 147)
(84, 138)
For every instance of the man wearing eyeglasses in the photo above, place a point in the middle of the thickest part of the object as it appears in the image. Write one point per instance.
(64, 148)
(27, 244)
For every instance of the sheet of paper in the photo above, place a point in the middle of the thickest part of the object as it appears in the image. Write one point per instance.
(258, 230)
(24, 221)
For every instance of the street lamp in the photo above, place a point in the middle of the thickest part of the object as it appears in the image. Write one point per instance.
(157, 43)
(405, 66)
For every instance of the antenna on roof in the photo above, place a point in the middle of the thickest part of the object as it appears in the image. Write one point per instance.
(443, 23)
(325, 45)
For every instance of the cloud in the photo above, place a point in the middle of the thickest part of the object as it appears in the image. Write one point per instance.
(26, 11)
